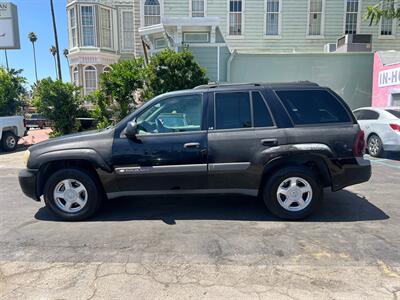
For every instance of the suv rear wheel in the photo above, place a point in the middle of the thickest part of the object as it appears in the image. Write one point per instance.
(72, 194)
(292, 193)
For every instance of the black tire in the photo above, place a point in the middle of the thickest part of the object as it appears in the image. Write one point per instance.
(375, 146)
(9, 141)
(94, 193)
(281, 176)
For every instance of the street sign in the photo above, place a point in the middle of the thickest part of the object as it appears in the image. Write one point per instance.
(9, 29)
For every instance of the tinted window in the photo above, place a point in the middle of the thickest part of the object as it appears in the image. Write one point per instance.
(359, 114)
(175, 114)
(232, 110)
(394, 112)
(313, 107)
(262, 117)
(370, 115)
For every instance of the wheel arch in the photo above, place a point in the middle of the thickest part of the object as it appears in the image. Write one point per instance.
(316, 163)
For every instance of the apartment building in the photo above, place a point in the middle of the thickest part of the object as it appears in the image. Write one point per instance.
(104, 31)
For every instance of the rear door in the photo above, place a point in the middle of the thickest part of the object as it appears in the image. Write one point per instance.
(240, 128)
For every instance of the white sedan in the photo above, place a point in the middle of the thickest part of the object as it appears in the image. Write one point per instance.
(382, 128)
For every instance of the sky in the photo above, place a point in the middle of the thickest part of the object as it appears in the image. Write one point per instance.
(35, 15)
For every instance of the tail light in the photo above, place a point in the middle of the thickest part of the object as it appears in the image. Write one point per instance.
(359, 144)
(395, 127)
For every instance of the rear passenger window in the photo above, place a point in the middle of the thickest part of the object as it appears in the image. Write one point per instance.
(232, 110)
(313, 107)
(262, 116)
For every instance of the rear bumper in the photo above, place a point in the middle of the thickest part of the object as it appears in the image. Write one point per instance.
(27, 181)
(349, 172)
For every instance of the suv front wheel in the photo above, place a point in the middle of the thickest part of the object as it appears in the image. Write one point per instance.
(292, 193)
(72, 194)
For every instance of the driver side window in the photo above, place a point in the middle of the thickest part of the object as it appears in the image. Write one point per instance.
(176, 114)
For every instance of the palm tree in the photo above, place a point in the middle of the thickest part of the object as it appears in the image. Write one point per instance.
(56, 40)
(53, 51)
(33, 38)
(66, 52)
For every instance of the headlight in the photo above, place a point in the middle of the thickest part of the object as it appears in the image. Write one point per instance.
(26, 158)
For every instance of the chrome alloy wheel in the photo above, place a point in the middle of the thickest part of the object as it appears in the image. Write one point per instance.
(10, 142)
(70, 195)
(294, 194)
(374, 146)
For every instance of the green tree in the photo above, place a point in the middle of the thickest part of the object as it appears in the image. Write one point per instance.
(11, 91)
(170, 71)
(33, 38)
(59, 102)
(383, 9)
(65, 53)
(103, 108)
(120, 84)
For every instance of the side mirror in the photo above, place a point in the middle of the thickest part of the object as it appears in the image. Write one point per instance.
(131, 130)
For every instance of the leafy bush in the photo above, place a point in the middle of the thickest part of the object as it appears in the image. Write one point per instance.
(11, 91)
(171, 71)
(120, 84)
(60, 103)
(103, 108)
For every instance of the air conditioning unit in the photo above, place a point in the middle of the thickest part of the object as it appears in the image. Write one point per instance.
(330, 47)
(354, 43)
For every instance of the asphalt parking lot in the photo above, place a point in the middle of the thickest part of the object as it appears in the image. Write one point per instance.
(203, 247)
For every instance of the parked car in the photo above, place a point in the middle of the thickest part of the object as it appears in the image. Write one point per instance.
(36, 121)
(283, 142)
(11, 130)
(381, 127)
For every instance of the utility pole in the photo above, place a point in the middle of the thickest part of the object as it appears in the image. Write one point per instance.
(5, 53)
(56, 40)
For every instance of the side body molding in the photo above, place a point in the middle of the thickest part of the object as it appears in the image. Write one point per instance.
(84, 154)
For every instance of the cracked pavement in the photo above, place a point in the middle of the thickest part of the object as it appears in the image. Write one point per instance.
(203, 247)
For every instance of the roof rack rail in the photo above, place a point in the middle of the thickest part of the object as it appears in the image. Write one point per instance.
(213, 85)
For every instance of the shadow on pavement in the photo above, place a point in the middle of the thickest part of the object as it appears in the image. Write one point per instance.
(342, 206)
(20, 148)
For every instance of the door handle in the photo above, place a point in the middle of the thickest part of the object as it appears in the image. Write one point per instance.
(191, 145)
(269, 142)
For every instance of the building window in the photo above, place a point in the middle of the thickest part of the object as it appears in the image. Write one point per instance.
(72, 27)
(351, 21)
(386, 23)
(235, 17)
(198, 8)
(105, 37)
(90, 79)
(88, 28)
(75, 76)
(273, 11)
(196, 37)
(152, 12)
(106, 69)
(127, 30)
(315, 17)
(160, 43)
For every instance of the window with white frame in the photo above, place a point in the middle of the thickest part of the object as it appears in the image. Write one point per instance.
(88, 28)
(106, 69)
(127, 30)
(351, 18)
(315, 17)
(387, 25)
(273, 11)
(160, 43)
(152, 12)
(235, 17)
(196, 37)
(105, 32)
(90, 74)
(75, 76)
(72, 27)
(198, 8)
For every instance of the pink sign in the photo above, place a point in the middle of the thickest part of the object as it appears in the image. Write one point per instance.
(386, 79)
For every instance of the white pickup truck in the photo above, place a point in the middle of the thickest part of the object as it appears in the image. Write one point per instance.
(11, 130)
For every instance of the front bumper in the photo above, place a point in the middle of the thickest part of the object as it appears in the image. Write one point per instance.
(349, 172)
(27, 181)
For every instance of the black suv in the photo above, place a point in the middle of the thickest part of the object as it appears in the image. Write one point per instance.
(284, 142)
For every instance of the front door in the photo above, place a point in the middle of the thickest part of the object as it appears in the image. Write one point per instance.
(169, 153)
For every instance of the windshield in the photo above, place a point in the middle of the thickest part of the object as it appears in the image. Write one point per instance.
(395, 112)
